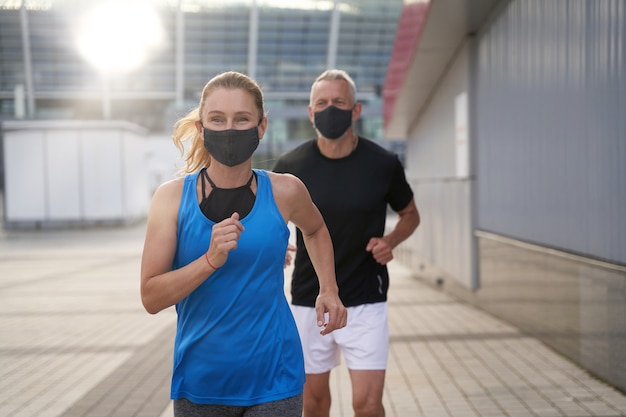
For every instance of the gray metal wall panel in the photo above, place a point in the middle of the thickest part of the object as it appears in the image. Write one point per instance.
(550, 125)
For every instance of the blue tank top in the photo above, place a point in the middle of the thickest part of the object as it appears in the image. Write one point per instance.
(236, 340)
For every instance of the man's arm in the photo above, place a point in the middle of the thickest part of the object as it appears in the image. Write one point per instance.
(409, 219)
(381, 247)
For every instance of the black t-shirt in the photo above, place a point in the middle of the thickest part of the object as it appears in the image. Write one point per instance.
(352, 193)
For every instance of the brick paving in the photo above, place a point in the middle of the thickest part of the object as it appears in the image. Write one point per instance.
(76, 342)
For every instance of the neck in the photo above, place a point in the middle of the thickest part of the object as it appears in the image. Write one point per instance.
(338, 148)
(229, 177)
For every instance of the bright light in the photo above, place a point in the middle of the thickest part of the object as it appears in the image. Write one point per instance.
(117, 36)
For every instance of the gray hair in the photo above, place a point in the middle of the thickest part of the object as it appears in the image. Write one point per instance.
(336, 74)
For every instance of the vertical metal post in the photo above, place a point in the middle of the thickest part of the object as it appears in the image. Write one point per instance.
(253, 39)
(28, 68)
(475, 283)
(20, 107)
(180, 56)
(333, 36)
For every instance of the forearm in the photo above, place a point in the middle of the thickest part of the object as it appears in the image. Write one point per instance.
(406, 225)
(167, 289)
(320, 249)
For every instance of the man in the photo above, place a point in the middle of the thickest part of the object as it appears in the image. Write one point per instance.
(352, 181)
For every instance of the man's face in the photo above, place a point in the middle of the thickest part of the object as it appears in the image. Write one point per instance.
(330, 92)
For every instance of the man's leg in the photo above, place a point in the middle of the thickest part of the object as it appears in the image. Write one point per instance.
(367, 393)
(321, 355)
(317, 395)
(365, 346)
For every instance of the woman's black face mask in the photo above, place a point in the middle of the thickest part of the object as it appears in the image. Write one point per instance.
(231, 147)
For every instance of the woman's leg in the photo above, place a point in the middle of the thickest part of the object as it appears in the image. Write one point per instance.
(289, 407)
(185, 408)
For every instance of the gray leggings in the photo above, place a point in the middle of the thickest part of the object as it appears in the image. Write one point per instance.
(289, 407)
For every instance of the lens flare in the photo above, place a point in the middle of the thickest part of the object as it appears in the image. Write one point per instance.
(117, 36)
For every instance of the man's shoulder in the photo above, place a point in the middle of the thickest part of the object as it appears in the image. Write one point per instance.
(375, 150)
(303, 148)
(295, 156)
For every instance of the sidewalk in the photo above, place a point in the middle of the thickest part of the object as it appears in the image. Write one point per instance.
(76, 342)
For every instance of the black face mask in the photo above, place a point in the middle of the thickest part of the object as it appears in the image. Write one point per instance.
(231, 147)
(332, 122)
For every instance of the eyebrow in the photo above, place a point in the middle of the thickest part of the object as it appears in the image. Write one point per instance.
(333, 101)
(239, 113)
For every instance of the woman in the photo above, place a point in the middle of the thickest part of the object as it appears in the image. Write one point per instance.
(215, 247)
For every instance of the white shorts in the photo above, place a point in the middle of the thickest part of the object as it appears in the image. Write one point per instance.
(364, 341)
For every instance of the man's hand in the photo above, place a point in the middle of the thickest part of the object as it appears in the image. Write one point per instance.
(288, 257)
(380, 249)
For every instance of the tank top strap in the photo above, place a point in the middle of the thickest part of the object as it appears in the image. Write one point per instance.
(205, 174)
(263, 182)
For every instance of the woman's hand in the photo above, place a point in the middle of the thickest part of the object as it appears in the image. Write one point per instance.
(330, 304)
(224, 238)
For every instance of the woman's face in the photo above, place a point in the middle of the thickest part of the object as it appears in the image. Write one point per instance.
(230, 109)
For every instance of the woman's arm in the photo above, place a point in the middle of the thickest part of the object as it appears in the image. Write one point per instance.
(294, 201)
(160, 286)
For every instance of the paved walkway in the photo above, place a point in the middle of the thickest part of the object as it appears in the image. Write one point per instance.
(75, 341)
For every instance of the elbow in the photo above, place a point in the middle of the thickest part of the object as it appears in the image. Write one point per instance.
(315, 233)
(417, 219)
(150, 309)
(150, 305)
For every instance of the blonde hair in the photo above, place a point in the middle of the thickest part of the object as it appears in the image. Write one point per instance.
(197, 156)
(336, 74)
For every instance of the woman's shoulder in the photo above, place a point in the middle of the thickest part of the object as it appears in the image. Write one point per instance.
(173, 184)
(286, 186)
(166, 200)
(290, 193)
(283, 180)
(170, 189)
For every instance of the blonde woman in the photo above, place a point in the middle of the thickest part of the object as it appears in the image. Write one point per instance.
(215, 248)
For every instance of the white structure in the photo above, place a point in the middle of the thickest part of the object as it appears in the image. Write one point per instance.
(60, 173)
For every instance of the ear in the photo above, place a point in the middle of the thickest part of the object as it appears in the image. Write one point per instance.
(311, 115)
(262, 127)
(356, 111)
(198, 126)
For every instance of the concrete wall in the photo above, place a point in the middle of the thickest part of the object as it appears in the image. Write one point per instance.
(445, 238)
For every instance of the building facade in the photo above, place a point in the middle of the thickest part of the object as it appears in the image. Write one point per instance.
(513, 110)
(284, 45)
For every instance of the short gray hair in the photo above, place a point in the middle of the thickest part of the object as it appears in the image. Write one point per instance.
(336, 74)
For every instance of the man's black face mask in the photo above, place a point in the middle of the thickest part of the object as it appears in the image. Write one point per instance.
(332, 122)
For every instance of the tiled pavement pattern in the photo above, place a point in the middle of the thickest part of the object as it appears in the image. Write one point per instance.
(75, 341)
